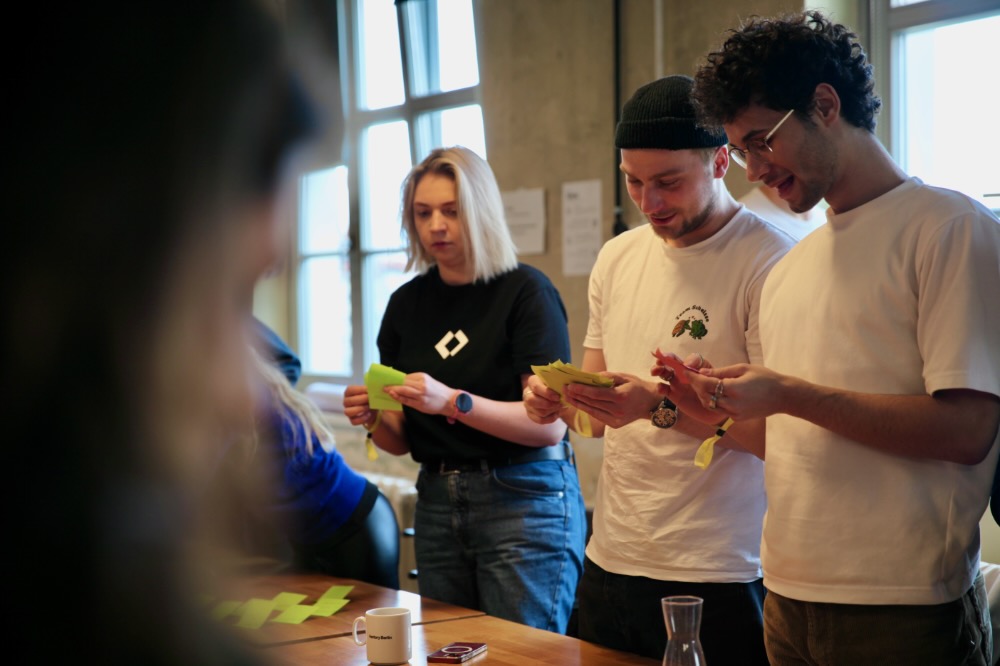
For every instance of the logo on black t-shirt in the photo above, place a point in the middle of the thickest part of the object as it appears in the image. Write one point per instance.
(449, 337)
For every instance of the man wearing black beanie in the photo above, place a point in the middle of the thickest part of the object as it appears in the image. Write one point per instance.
(688, 283)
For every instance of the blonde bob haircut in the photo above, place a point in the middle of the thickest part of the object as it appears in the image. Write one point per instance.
(489, 249)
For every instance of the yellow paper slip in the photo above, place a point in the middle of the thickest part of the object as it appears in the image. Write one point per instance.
(557, 375)
(376, 379)
(254, 613)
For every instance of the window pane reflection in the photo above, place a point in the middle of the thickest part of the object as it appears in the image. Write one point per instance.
(325, 304)
(459, 126)
(443, 40)
(386, 163)
(942, 94)
(383, 274)
(380, 83)
(324, 217)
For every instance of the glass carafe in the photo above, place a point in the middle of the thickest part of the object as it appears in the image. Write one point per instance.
(682, 616)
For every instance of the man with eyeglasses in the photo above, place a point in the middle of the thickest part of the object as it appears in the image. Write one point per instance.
(881, 376)
(767, 203)
(688, 282)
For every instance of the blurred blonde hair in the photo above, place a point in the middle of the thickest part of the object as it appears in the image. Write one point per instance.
(292, 404)
(489, 249)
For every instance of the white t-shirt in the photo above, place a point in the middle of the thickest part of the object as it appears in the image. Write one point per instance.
(798, 227)
(899, 296)
(656, 514)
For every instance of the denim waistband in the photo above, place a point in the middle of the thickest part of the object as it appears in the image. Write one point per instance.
(561, 451)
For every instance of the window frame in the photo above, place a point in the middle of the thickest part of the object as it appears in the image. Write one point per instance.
(883, 21)
(356, 121)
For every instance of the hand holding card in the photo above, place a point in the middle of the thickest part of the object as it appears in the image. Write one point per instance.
(675, 365)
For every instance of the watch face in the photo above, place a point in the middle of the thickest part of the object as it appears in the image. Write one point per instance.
(665, 415)
(463, 401)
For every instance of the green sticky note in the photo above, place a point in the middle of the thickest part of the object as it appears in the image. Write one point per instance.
(327, 607)
(287, 599)
(337, 592)
(254, 613)
(224, 609)
(376, 379)
(294, 615)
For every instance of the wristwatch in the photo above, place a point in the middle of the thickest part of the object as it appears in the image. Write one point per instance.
(664, 415)
(461, 403)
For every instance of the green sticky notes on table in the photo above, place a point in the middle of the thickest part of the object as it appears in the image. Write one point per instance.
(294, 615)
(287, 599)
(224, 609)
(337, 592)
(376, 379)
(254, 613)
(327, 607)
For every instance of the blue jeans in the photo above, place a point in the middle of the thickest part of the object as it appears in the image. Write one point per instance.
(508, 541)
(625, 613)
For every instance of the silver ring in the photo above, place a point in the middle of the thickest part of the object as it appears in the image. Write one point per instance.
(713, 402)
(701, 360)
(526, 392)
(719, 391)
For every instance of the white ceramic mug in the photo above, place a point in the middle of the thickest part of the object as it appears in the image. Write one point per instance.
(387, 635)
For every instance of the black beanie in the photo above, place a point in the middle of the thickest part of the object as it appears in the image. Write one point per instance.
(660, 115)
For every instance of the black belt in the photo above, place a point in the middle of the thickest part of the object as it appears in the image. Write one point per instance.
(561, 451)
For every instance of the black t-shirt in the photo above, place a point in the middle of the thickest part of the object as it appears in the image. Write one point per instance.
(478, 338)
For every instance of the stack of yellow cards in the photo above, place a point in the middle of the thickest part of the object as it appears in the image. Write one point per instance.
(557, 375)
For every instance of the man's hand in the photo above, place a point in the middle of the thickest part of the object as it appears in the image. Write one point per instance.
(740, 391)
(630, 399)
(676, 384)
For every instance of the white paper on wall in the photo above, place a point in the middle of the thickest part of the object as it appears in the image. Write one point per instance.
(581, 226)
(525, 211)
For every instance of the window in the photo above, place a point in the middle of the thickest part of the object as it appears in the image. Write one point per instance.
(412, 84)
(935, 63)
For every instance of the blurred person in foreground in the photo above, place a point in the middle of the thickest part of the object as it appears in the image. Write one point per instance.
(880, 381)
(293, 497)
(499, 517)
(150, 142)
(688, 282)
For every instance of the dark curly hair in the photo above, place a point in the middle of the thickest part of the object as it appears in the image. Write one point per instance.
(778, 62)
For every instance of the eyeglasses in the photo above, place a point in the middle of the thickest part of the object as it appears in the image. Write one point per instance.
(756, 146)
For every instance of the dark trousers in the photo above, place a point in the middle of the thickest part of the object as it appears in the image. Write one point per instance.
(624, 613)
(956, 633)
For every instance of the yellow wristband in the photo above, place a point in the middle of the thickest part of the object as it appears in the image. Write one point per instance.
(371, 427)
(581, 424)
(369, 444)
(703, 458)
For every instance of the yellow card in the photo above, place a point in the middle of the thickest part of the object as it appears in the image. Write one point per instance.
(377, 378)
(254, 613)
(557, 375)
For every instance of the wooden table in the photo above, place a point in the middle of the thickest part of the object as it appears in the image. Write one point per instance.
(363, 597)
(508, 644)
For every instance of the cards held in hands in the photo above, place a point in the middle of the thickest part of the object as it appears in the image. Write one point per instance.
(557, 375)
